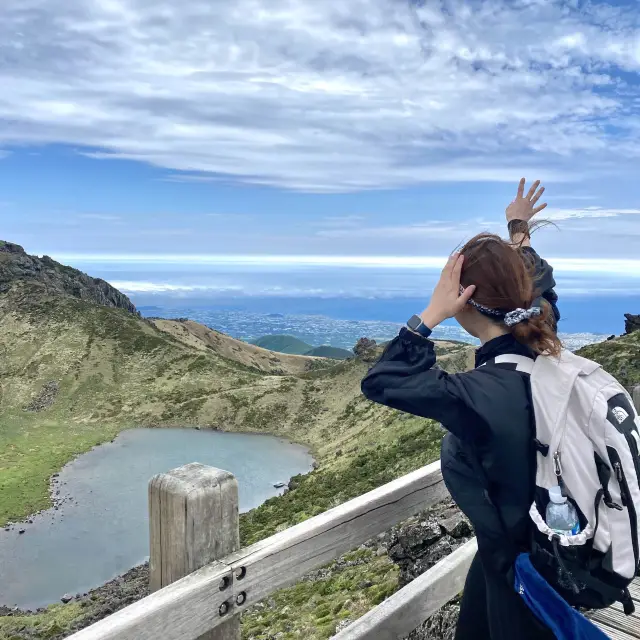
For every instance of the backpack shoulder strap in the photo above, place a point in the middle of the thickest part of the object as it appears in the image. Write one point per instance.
(512, 361)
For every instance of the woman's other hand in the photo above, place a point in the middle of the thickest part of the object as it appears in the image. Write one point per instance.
(524, 207)
(446, 300)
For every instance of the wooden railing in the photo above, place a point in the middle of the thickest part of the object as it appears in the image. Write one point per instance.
(202, 582)
(191, 520)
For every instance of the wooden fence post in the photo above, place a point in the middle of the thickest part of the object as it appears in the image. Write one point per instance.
(636, 397)
(193, 520)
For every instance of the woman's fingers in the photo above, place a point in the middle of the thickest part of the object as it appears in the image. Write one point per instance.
(465, 296)
(539, 208)
(534, 186)
(521, 188)
(537, 196)
(457, 270)
(451, 263)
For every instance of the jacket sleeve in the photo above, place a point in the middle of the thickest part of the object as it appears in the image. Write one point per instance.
(405, 378)
(544, 280)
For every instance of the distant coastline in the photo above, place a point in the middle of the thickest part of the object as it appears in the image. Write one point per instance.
(322, 329)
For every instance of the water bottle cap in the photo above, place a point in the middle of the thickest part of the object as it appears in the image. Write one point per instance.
(555, 495)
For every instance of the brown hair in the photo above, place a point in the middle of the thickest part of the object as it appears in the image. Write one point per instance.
(504, 280)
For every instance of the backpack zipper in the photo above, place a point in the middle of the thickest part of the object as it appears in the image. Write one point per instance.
(622, 482)
(625, 496)
(559, 442)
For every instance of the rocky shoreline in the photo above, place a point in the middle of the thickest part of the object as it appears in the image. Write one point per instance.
(57, 501)
(414, 546)
(100, 603)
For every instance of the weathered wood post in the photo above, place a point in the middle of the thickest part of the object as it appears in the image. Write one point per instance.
(636, 397)
(193, 520)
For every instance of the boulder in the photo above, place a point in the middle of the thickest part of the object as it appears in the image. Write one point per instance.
(366, 350)
(457, 526)
(411, 570)
(67, 597)
(416, 538)
(422, 541)
(632, 323)
(45, 398)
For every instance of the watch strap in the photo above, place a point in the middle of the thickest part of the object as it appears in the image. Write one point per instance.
(416, 325)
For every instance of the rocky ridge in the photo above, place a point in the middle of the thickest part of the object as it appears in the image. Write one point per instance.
(18, 266)
(632, 323)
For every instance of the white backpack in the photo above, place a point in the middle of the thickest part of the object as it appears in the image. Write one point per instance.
(588, 442)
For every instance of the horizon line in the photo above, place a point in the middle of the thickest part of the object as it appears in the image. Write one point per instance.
(626, 266)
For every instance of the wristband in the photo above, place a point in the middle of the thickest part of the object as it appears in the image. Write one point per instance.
(518, 226)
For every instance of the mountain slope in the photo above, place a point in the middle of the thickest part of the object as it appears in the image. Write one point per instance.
(75, 371)
(283, 344)
(325, 351)
(203, 338)
(73, 374)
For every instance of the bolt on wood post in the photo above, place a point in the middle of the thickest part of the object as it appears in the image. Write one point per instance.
(193, 520)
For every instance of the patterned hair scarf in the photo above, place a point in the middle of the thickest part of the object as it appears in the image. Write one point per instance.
(510, 318)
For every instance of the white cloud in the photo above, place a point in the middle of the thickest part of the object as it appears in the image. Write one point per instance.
(573, 196)
(621, 266)
(430, 229)
(164, 233)
(135, 286)
(587, 212)
(327, 96)
(339, 224)
(100, 217)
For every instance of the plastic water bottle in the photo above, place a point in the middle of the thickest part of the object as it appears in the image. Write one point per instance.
(561, 514)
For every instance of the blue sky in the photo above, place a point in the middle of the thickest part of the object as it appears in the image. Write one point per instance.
(365, 128)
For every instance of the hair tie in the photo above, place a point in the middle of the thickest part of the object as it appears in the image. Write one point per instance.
(510, 318)
(520, 315)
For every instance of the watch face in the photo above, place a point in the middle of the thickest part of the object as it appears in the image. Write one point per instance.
(414, 322)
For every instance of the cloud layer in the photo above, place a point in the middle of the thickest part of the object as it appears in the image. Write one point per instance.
(327, 96)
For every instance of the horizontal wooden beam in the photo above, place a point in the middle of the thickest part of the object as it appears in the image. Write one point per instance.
(285, 557)
(189, 607)
(408, 608)
(185, 609)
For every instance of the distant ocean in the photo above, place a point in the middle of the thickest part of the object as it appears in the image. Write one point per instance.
(337, 304)
(320, 329)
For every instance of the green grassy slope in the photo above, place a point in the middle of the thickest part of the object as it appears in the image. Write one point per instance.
(114, 370)
(326, 351)
(283, 344)
(620, 357)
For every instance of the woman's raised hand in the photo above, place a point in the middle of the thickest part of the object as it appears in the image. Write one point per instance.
(524, 207)
(446, 300)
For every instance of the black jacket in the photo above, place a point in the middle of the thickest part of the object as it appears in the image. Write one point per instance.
(488, 413)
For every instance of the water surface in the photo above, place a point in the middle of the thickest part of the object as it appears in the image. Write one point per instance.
(101, 530)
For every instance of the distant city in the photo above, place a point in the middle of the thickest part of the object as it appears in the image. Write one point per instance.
(319, 330)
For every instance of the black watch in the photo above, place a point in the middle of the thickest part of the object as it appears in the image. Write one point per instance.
(415, 324)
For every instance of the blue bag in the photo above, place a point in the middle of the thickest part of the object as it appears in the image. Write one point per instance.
(549, 607)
